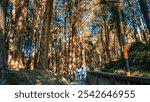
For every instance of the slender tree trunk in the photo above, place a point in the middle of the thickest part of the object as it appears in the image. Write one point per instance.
(133, 20)
(142, 24)
(103, 47)
(65, 42)
(74, 38)
(3, 53)
(70, 37)
(83, 56)
(144, 9)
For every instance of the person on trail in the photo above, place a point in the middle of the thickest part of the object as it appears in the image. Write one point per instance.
(83, 73)
(78, 73)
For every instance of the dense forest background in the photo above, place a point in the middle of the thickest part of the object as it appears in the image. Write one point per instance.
(60, 35)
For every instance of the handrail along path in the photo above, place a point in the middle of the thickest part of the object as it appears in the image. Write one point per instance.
(104, 78)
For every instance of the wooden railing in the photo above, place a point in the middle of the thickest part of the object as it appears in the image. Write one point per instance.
(103, 78)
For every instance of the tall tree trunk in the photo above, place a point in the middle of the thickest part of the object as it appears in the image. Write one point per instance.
(70, 7)
(133, 20)
(103, 46)
(142, 24)
(74, 38)
(65, 52)
(46, 33)
(144, 9)
(11, 45)
(20, 33)
(17, 32)
(3, 54)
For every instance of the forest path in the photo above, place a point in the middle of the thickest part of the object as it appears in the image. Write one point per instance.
(78, 82)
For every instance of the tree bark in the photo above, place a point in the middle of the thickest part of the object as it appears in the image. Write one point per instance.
(133, 20)
(144, 9)
(46, 33)
(3, 54)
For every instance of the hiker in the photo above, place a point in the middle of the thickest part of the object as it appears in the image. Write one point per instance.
(78, 73)
(83, 73)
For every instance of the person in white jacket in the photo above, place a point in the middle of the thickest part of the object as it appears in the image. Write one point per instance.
(83, 73)
(78, 73)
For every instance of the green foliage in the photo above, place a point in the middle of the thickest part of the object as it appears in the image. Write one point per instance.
(139, 46)
(139, 56)
(113, 65)
(139, 61)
